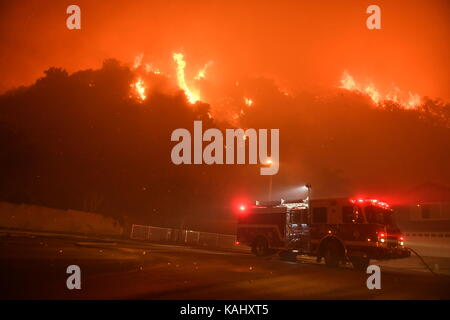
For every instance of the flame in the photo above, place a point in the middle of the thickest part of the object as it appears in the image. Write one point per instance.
(373, 93)
(139, 89)
(348, 83)
(202, 73)
(410, 101)
(414, 100)
(192, 97)
(248, 102)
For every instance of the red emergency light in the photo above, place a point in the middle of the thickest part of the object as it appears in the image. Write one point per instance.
(375, 202)
(382, 237)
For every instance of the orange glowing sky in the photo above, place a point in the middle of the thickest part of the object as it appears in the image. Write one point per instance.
(304, 44)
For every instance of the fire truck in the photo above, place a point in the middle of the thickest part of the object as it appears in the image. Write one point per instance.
(337, 230)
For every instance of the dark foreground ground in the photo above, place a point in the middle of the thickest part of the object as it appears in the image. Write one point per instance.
(34, 267)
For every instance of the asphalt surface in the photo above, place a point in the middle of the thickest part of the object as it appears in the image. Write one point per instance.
(34, 267)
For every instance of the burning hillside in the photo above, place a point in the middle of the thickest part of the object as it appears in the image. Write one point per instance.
(231, 102)
(407, 100)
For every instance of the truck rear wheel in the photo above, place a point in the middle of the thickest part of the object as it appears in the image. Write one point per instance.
(332, 254)
(260, 247)
(360, 263)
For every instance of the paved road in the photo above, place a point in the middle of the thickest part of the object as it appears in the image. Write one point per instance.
(34, 267)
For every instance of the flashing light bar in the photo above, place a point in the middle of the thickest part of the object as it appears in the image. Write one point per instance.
(371, 201)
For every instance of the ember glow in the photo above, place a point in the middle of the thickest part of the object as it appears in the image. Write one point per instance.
(191, 95)
(406, 101)
(150, 68)
(202, 73)
(248, 102)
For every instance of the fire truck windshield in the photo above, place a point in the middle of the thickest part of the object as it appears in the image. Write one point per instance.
(379, 215)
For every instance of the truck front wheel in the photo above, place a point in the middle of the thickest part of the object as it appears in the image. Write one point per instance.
(360, 263)
(260, 247)
(288, 256)
(332, 254)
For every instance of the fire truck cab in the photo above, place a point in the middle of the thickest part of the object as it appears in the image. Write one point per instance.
(339, 230)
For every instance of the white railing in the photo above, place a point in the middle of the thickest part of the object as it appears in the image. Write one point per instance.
(428, 234)
(191, 237)
(429, 244)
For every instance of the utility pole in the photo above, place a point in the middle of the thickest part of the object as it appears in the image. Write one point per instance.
(267, 165)
(270, 188)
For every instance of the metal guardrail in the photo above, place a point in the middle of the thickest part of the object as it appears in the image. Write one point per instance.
(191, 237)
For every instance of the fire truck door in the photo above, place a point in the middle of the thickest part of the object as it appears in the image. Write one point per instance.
(299, 234)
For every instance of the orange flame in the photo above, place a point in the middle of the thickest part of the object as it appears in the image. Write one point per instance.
(411, 101)
(139, 89)
(139, 86)
(192, 96)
